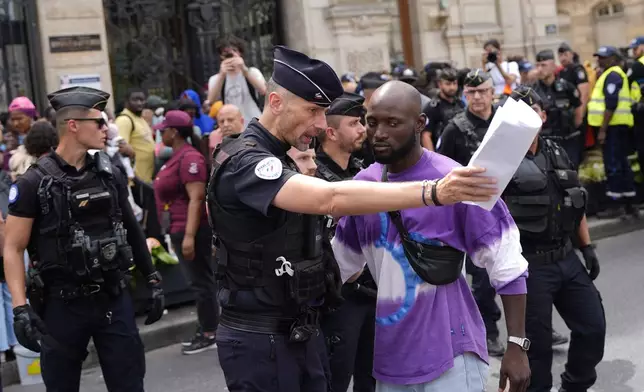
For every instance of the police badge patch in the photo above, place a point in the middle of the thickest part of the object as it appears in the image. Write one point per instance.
(13, 194)
(611, 88)
(109, 251)
(581, 75)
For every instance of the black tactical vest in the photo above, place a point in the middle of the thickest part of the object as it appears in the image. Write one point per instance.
(284, 267)
(561, 113)
(547, 202)
(79, 233)
(472, 139)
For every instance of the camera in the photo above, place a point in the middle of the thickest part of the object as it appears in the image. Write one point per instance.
(492, 57)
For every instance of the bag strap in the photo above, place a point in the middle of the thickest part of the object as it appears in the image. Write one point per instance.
(395, 216)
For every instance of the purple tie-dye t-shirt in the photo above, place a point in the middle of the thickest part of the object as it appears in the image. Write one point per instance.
(420, 328)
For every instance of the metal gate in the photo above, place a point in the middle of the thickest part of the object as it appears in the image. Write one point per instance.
(18, 32)
(167, 46)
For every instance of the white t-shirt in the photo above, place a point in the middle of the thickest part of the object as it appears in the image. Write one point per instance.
(511, 68)
(237, 92)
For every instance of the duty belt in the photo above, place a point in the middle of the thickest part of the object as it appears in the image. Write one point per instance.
(248, 322)
(85, 290)
(550, 256)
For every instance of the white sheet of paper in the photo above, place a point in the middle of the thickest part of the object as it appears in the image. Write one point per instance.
(511, 132)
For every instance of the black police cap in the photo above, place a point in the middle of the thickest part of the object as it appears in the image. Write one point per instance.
(564, 47)
(475, 78)
(349, 104)
(528, 95)
(85, 97)
(310, 79)
(373, 80)
(545, 55)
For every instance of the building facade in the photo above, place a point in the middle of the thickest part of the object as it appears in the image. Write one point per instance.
(167, 46)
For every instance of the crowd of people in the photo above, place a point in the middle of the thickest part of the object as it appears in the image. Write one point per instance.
(166, 151)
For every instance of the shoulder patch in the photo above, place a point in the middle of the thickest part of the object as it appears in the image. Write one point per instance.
(581, 74)
(13, 194)
(611, 88)
(269, 169)
(193, 169)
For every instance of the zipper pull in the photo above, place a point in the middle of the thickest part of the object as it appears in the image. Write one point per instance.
(109, 317)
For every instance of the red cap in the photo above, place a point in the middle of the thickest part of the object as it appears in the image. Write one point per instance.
(175, 119)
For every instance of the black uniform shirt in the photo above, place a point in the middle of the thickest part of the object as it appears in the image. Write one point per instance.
(350, 172)
(636, 73)
(440, 112)
(24, 203)
(452, 142)
(560, 90)
(574, 74)
(249, 182)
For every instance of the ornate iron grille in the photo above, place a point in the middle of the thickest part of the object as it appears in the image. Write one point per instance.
(15, 58)
(167, 46)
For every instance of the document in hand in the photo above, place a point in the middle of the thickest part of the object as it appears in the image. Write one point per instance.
(512, 130)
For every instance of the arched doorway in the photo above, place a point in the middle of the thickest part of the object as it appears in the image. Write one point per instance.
(609, 24)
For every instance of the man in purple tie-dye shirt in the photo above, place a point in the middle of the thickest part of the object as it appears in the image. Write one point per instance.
(431, 338)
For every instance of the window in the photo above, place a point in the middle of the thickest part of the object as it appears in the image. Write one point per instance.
(608, 9)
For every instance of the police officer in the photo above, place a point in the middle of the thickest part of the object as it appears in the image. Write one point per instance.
(563, 106)
(547, 203)
(636, 79)
(609, 111)
(574, 73)
(444, 107)
(368, 84)
(70, 210)
(349, 330)
(460, 139)
(267, 224)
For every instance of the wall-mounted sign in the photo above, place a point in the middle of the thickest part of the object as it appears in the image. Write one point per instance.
(75, 43)
(91, 80)
(551, 29)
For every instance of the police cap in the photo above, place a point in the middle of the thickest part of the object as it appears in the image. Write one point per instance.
(373, 80)
(475, 78)
(85, 97)
(310, 79)
(637, 42)
(545, 55)
(348, 104)
(528, 95)
(606, 51)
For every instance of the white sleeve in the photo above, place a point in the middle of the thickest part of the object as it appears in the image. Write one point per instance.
(513, 69)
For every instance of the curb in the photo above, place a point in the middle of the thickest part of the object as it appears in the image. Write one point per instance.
(170, 330)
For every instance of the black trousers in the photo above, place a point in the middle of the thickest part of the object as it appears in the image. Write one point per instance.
(565, 284)
(254, 362)
(200, 272)
(484, 295)
(111, 325)
(349, 333)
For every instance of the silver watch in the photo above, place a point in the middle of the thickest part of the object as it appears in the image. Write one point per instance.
(524, 343)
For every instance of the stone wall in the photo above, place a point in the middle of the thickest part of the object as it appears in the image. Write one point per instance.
(58, 18)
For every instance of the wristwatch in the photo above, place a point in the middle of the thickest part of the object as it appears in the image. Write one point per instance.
(524, 343)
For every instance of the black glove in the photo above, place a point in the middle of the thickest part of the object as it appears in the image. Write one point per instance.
(592, 263)
(29, 328)
(157, 300)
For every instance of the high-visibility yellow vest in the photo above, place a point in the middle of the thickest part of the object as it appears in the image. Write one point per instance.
(597, 103)
(636, 90)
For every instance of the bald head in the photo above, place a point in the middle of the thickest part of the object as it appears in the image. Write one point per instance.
(230, 120)
(398, 95)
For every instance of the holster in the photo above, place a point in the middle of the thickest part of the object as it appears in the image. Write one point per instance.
(332, 279)
(308, 281)
(36, 292)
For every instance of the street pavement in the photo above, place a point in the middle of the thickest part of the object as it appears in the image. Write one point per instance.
(622, 369)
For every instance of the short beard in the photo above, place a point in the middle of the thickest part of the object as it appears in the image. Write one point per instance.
(399, 154)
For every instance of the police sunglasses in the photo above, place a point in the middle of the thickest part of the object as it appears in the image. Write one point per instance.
(100, 121)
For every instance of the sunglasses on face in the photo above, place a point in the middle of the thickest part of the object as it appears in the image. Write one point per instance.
(100, 121)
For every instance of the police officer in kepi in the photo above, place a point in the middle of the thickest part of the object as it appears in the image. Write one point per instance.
(444, 107)
(267, 221)
(563, 107)
(548, 203)
(70, 210)
(350, 328)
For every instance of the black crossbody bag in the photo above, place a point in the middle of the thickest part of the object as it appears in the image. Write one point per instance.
(436, 265)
